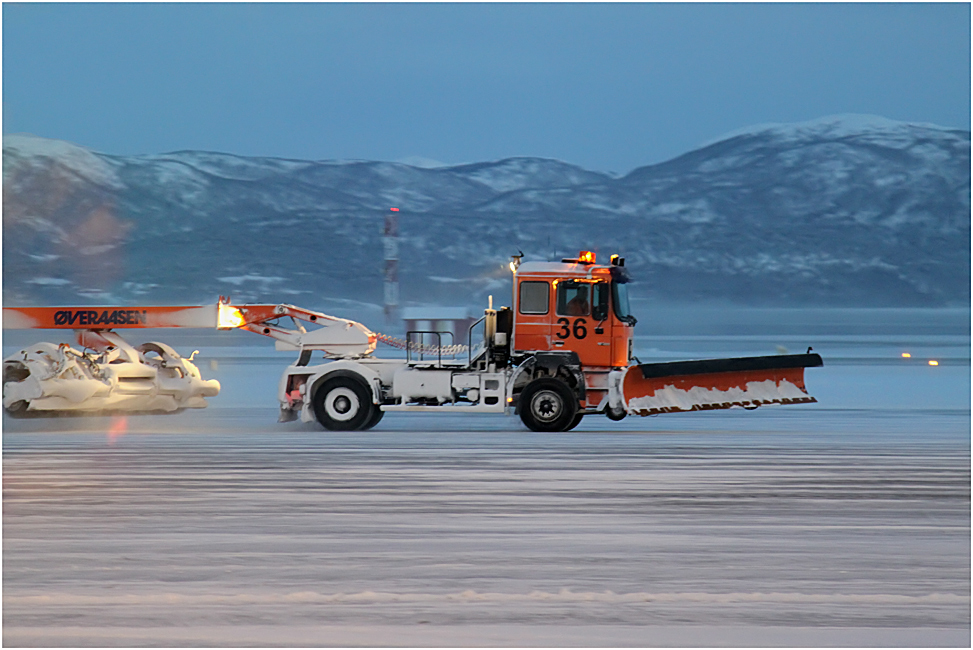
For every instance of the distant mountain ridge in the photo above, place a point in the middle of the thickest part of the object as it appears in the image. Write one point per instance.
(845, 210)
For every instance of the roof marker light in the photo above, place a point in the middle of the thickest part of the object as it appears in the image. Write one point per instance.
(586, 257)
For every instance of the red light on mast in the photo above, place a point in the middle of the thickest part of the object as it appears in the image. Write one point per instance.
(394, 209)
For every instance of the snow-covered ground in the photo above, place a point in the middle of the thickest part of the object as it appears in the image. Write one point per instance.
(840, 523)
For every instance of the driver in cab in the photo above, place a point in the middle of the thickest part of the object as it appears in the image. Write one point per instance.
(578, 306)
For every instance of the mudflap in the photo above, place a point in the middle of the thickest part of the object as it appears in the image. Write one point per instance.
(747, 382)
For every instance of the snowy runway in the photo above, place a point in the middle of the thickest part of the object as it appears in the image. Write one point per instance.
(441, 532)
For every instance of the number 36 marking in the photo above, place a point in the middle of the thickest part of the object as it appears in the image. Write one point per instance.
(579, 330)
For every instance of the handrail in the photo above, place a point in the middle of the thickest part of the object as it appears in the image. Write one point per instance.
(421, 345)
(469, 340)
(402, 344)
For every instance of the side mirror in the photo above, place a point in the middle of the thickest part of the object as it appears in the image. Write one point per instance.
(599, 312)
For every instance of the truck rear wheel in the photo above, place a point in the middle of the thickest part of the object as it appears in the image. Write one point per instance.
(343, 404)
(548, 405)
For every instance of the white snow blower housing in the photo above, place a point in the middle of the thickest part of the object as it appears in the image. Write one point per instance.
(108, 374)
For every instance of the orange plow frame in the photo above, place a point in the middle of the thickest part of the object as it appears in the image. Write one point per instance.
(748, 382)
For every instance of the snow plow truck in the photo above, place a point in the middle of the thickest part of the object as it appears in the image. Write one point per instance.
(561, 351)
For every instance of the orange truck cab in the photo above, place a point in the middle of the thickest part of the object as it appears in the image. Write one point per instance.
(575, 305)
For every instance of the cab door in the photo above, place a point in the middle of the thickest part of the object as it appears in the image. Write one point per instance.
(532, 325)
(602, 324)
(623, 325)
(581, 321)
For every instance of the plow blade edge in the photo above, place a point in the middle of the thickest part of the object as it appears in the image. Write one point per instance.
(748, 382)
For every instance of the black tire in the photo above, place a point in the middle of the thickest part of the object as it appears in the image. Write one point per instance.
(377, 415)
(575, 422)
(548, 405)
(343, 404)
(615, 415)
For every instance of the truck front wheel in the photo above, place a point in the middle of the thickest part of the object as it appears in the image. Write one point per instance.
(575, 422)
(343, 404)
(548, 405)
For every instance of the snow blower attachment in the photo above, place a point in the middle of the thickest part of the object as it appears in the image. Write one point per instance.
(109, 374)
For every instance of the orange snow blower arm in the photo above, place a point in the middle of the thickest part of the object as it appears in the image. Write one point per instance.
(222, 315)
(105, 318)
(334, 336)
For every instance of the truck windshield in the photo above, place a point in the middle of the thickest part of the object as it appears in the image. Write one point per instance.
(620, 301)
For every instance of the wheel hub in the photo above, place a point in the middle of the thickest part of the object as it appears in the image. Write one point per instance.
(342, 404)
(546, 405)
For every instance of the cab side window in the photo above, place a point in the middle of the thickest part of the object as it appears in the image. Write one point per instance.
(535, 297)
(599, 308)
(573, 299)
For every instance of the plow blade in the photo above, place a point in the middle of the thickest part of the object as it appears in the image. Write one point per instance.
(747, 382)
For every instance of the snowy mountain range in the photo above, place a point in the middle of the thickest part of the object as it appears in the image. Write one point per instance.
(845, 210)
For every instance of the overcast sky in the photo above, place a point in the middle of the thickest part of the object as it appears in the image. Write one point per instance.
(607, 87)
